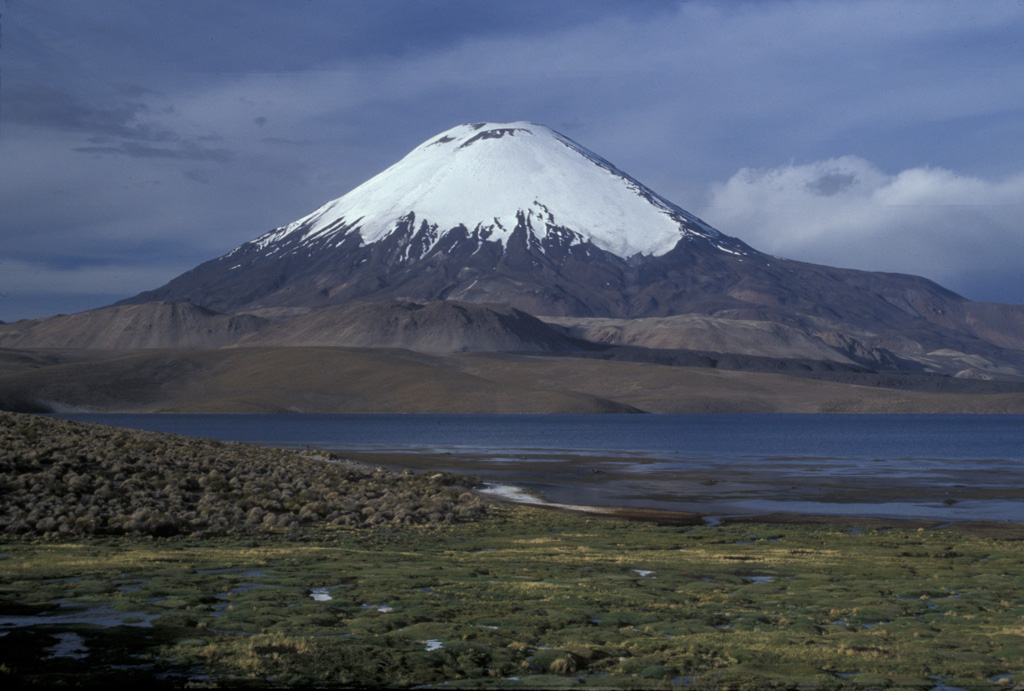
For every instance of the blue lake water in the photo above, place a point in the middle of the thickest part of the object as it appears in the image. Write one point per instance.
(955, 467)
(955, 437)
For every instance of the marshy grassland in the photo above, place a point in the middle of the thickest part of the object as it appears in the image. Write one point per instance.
(475, 596)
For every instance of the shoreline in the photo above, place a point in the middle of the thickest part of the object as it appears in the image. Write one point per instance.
(710, 489)
(515, 496)
(692, 493)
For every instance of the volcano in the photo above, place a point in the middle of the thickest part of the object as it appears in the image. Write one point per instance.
(518, 215)
(515, 214)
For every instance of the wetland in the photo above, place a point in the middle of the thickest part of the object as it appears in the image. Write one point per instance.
(463, 590)
(523, 598)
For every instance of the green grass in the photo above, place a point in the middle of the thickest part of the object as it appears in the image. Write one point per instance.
(529, 599)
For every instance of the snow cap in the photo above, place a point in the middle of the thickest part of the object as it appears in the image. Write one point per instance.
(483, 176)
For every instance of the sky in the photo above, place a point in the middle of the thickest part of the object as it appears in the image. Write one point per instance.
(139, 139)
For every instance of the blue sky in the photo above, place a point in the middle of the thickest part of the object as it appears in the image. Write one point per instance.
(138, 139)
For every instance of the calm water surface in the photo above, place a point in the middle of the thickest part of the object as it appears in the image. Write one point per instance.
(955, 467)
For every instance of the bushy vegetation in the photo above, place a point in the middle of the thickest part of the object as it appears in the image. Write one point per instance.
(66, 479)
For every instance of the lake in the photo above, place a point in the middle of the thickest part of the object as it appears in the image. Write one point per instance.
(941, 467)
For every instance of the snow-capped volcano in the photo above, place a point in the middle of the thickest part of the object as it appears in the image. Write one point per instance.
(516, 214)
(510, 213)
(488, 179)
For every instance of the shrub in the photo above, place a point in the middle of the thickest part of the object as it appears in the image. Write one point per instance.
(86, 479)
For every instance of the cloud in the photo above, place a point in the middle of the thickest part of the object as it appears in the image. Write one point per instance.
(53, 108)
(964, 232)
(130, 123)
(187, 151)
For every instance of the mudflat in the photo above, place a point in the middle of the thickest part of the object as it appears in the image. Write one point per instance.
(800, 489)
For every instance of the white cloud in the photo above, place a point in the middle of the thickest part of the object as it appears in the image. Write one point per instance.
(964, 232)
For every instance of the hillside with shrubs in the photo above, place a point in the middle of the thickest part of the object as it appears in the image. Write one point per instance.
(60, 478)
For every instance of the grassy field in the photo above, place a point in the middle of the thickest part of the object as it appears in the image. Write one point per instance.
(522, 598)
